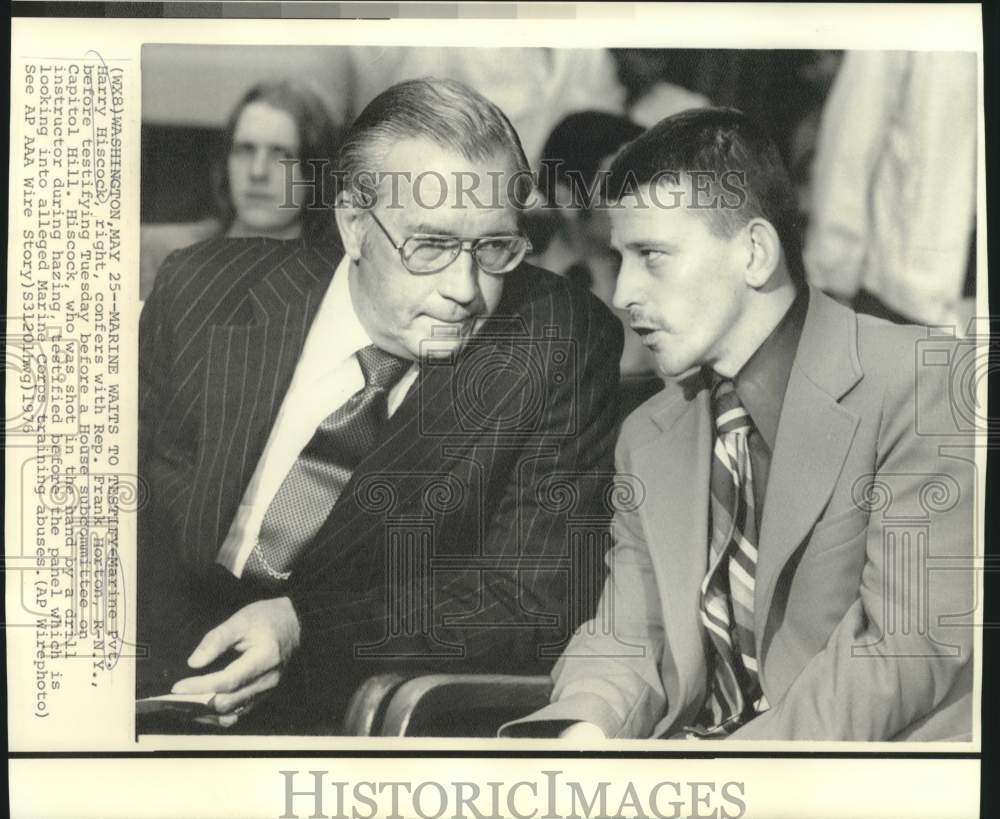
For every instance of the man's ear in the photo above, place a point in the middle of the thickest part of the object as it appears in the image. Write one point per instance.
(349, 224)
(764, 254)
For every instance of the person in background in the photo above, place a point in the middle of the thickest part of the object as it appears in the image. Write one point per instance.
(659, 83)
(573, 237)
(536, 87)
(893, 208)
(273, 122)
(578, 237)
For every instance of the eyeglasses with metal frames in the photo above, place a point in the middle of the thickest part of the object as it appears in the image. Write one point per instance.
(424, 253)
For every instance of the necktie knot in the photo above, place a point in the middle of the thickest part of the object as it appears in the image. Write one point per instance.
(727, 409)
(381, 369)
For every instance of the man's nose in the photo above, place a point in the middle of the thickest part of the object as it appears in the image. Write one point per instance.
(259, 165)
(460, 280)
(626, 292)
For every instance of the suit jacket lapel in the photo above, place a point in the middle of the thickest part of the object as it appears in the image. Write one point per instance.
(814, 435)
(250, 362)
(422, 430)
(284, 304)
(674, 469)
(408, 457)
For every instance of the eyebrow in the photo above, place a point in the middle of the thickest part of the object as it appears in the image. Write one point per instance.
(281, 146)
(641, 245)
(423, 227)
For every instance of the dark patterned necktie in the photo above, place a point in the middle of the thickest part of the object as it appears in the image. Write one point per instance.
(323, 468)
(734, 693)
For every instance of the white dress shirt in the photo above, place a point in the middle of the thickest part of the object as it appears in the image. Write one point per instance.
(327, 374)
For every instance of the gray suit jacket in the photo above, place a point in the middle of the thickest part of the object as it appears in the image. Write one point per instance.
(864, 580)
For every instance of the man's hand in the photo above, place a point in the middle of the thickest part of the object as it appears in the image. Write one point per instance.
(266, 634)
(583, 732)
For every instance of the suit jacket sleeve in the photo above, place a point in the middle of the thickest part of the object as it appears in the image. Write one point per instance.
(611, 677)
(902, 645)
(580, 419)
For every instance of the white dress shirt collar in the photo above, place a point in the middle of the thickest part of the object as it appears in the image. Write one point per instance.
(336, 333)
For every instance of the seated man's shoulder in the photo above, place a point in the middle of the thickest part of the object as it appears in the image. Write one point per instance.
(897, 355)
(542, 298)
(919, 376)
(243, 261)
(218, 250)
(883, 343)
(194, 261)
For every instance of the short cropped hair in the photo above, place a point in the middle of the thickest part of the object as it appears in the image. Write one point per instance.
(318, 138)
(718, 142)
(446, 112)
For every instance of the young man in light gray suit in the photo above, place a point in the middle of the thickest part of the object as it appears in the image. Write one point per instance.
(800, 483)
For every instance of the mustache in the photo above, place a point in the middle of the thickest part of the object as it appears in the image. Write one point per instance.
(641, 322)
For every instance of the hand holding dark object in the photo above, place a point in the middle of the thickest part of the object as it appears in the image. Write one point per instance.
(265, 634)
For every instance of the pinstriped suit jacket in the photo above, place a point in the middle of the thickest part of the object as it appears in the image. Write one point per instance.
(458, 543)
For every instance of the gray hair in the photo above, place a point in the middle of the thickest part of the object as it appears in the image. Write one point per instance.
(446, 112)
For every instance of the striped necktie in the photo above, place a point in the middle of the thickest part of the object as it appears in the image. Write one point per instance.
(734, 692)
(309, 491)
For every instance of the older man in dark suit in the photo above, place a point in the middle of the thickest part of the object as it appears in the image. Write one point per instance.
(355, 455)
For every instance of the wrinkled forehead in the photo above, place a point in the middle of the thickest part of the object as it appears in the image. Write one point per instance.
(420, 183)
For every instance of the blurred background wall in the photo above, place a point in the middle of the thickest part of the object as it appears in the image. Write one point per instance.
(880, 145)
(188, 92)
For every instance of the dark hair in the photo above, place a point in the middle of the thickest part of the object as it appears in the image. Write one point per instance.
(444, 111)
(572, 156)
(718, 142)
(317, 144)
(578, 144)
